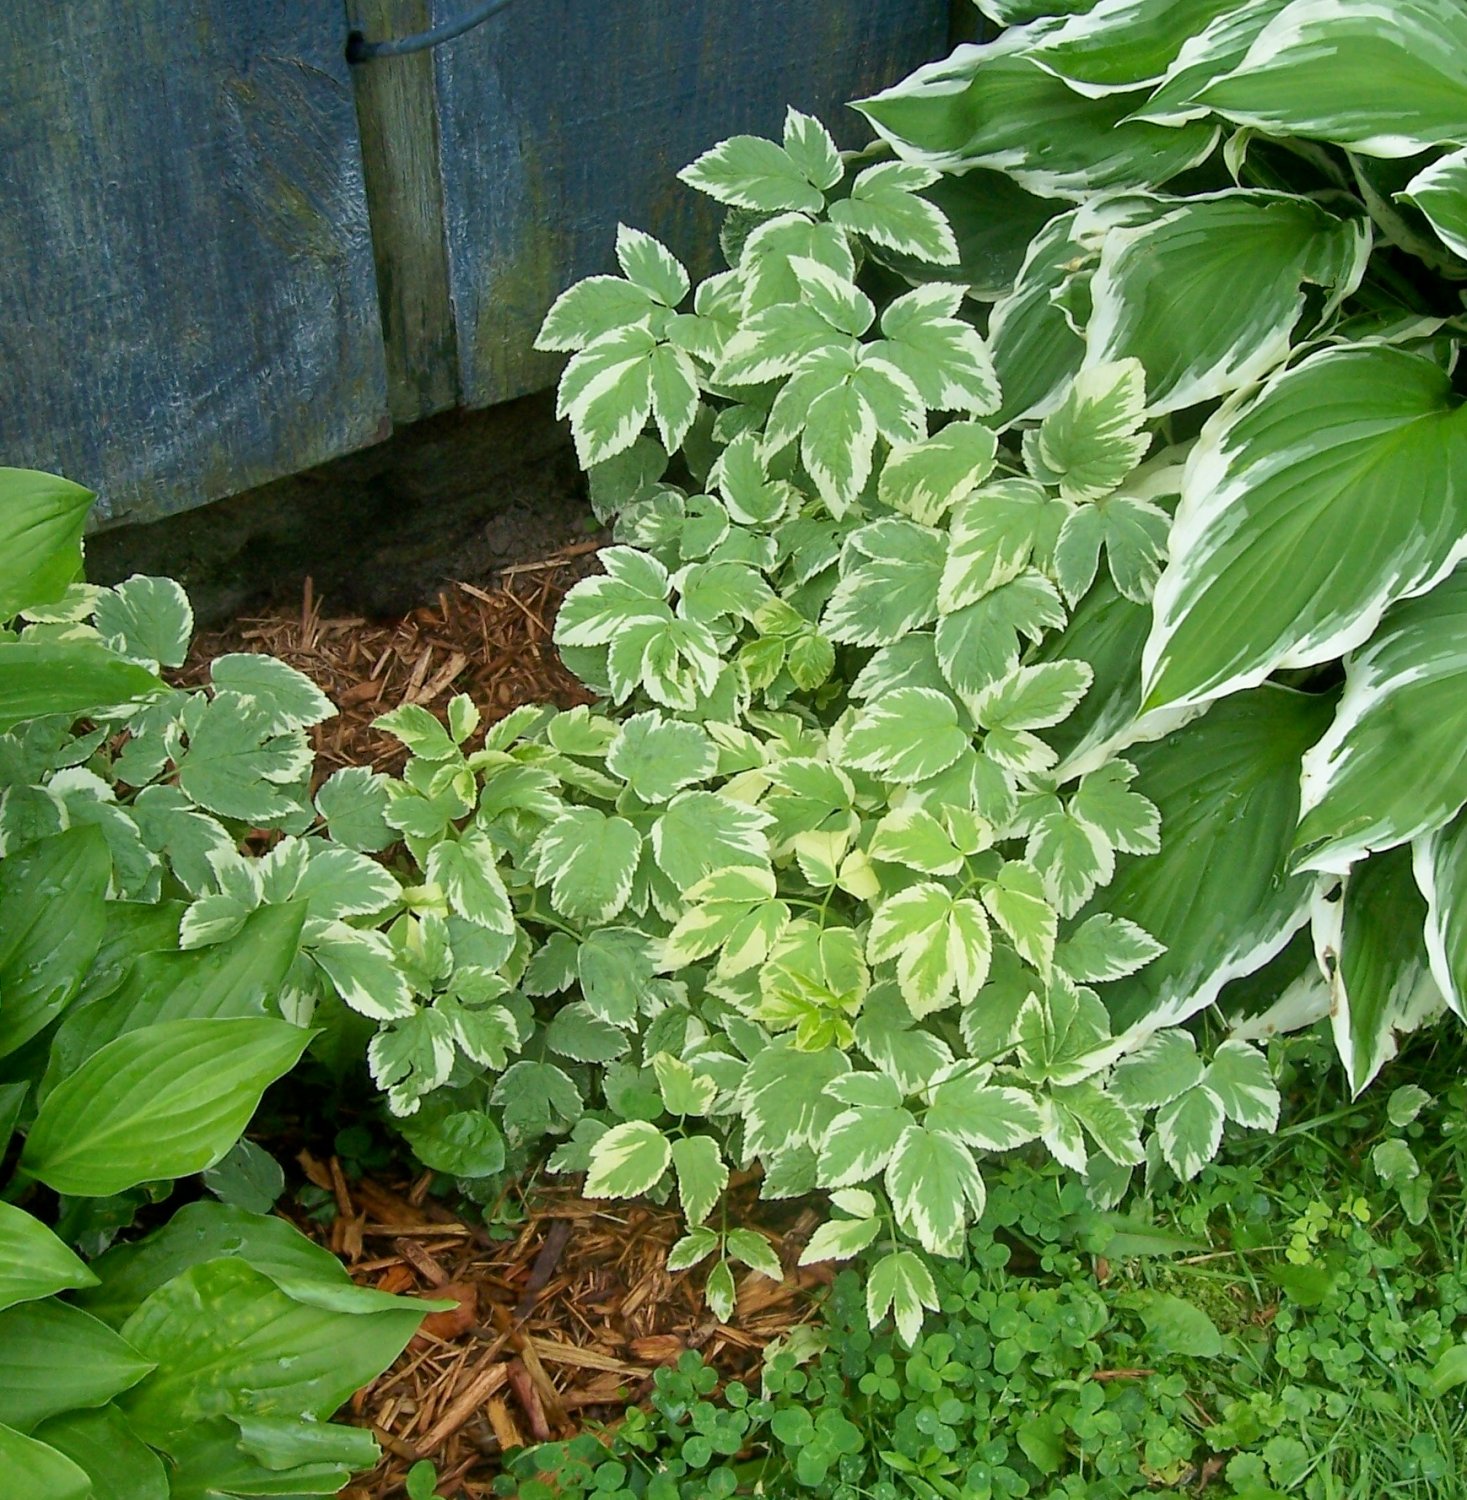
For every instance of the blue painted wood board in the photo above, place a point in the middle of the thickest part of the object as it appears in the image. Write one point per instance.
(561, 117)
(187, 300)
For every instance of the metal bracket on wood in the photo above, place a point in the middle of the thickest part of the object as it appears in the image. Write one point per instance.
(360, 50)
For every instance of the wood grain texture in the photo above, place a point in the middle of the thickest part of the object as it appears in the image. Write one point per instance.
(397, 112)
(558, 118)
(188, 306)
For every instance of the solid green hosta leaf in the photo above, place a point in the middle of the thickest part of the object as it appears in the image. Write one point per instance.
(908, 735)
(902, 1284)
(286, 698)
(987, 107)
(884, 207)
(72, 678)
(148, 619)
(1440, 192)
(58, 1357)
(702, 1175)
(1189, 1130)
(935, 1188)
(1118, 45)
(889, 587)
(943, 357)
(1389, 767)
(992, 536)
(120, 1465)
(228, 1341)
(1092, 440)
(1384, 80)
(747, 171)
(161, 1101)
(53, 916)
(1363, 447)
(588, 861)
(36, 1471)
(41, 522)
(1440, 863)
(33, 1262)
(941, 944)
(1206, 298)
(627, 1160)
(1219, 895)
(1371, 945)
(983, 1115)
(924, 480)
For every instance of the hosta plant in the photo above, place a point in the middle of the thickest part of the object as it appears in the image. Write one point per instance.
(1259, 208)
(206, 1359)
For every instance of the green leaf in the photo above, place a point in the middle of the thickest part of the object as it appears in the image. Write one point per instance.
(980, 642)
(592, 307)
(858, 1143)
(363, 970)
(1387, 768)
(284, 698)
(750, 1248)
(993, 535)
(53, 916)
(41, 522)
(606, 392)
(1206, 297)
(899, 1282)
(246, 1177)
(1016, 901)
(840, 1239)
(1239, 1075)
(627, 1160)
(1092, 440)
(1450, 1370)
(694, 1246)
(1370, 943)
(886, 1032)
(782, 1097)
(1361, 445)
(1105, 947)
(702, 1175)
(943, 356)
(33, 1262)
(648, 264)
(1383, 82)
(228, 1341)
(1133, 533)
(908, 735)
(658, 758)
(239, 762)
(1220, 894)
(884, 207)
(74, 678)
(808, 144)
(462, 1142)
(1440, 865)
(924, 480)
(148, 619)
(1161, 1068)
(118, 1463)
(1175, 1326)
(734, 910)
(747, 171)
(683, 1091)
(588, 860)
(913, 838)
(36, 1471)
(161, 1101)
(890, 586)
(57, 1358)
(424, 736)
(1108, 1122)
(1190, 1130)
(466, 869)
(983, 1115)
(941, 945)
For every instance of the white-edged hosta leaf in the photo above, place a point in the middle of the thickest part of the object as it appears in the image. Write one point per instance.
(702, 1175)
(1134, 535)
(941, 945)
(1371, 946)
(733, 909)
(1440, 864)
(995, 107)
(989, 1117)
(840, 1239)
(1440, 192)
(1189, 1130)
(1239, 1075)
(363, 969)
(650, 265)
(147, 619)
(944, 357)
(1219, 894)
(627, 1160)
(1364, 446)
(924, 480)
(1389, 768)
(747, 171)
(901, 1284)
(935, 1188)
(992, 536)
(1161, 1068)
(1105, 947)
(1208, 53)
(858, 1143)
(592, 307)
(588, 860)
(1119, 45)
(884, 207)
(1384, 79)
(658, 757)
(907, 735)
(1093, 438)
(285, 698)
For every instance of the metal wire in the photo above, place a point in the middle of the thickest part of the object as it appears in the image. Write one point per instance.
(360, 50)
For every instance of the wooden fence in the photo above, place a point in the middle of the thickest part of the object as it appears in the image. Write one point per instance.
(225, 255)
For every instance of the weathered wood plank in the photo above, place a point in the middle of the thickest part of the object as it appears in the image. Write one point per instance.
(397, 111)
(188, 305)
(559, 118)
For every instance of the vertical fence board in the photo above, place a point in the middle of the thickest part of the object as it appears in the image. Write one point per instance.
(561, 117)
(188, 306)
